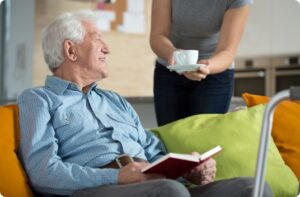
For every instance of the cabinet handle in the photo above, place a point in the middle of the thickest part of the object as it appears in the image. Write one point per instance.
(250, 74)
(287, 72)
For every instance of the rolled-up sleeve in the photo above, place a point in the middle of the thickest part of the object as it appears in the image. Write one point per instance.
(238, 3)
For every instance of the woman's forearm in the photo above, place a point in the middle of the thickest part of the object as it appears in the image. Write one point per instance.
(230, 35)
(162, 46)
(160, 29)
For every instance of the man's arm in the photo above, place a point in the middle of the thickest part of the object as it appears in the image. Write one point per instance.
(47, 172)
(153, 147)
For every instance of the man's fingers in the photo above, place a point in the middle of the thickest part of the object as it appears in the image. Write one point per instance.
(153, 176)
(140, 165)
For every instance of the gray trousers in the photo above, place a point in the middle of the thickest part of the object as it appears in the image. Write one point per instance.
(235, 187)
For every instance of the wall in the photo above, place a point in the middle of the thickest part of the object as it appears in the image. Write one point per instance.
(16, 69)
(2, 46)
(272, 29)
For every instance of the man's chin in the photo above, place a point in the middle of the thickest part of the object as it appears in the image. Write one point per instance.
(105, 75)
(104, 72)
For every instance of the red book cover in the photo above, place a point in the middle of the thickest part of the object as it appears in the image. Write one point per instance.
(174, 165)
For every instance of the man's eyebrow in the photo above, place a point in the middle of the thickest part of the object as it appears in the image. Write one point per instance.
(96, 34)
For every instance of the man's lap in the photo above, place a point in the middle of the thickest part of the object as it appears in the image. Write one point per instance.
(165, 187)
(157, 188)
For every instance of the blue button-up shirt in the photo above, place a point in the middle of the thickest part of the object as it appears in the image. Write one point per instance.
(67, 135)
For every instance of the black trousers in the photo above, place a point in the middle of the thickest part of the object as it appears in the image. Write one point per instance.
(236, 187)
(177, 97)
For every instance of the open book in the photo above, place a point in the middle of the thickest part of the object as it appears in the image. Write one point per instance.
(174, 165)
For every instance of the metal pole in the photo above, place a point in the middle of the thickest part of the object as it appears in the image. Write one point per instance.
(292, 94)
(2, 45)
(5, 34)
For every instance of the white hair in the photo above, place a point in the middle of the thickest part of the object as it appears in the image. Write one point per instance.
(67, 26)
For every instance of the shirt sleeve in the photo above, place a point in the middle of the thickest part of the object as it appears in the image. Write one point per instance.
(153, 146)
(238, 3)
(46, 170)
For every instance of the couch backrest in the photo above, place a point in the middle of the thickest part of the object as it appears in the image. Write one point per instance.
(13, 180)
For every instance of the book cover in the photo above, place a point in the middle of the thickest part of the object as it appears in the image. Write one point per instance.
(174, 165)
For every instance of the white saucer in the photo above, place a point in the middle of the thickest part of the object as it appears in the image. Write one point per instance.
(184, 68)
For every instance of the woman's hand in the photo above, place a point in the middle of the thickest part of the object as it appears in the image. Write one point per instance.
(199, 74)
(171, 60)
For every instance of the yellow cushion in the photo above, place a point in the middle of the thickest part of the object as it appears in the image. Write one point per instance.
(286, 129)
(13, 180)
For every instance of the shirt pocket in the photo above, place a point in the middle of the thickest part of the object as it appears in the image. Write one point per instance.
(67, 118)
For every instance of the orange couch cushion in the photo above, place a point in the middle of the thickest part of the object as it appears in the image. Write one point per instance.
(286, 129)
(13, 180)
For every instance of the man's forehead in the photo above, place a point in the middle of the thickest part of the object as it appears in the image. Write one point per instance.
(91, 28)
(96, 33)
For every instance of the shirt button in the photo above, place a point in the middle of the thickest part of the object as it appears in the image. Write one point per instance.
(67, 118)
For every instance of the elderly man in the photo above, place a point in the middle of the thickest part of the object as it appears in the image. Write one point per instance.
(72, 131)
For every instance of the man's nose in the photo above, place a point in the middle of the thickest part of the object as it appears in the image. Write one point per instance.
(105, 48)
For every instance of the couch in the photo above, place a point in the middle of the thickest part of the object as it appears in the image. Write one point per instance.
(13, 180)
(231, 131)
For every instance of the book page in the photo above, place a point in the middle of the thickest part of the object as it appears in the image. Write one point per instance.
(210, 153)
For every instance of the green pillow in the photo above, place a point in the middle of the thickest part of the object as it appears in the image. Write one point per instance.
(238, 134)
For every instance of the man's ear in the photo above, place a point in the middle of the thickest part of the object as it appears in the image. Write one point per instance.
(70, 50)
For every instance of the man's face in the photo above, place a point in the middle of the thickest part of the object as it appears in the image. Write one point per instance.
(92, 54)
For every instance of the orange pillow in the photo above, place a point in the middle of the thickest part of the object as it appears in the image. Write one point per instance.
(286, 129)
(13, 180)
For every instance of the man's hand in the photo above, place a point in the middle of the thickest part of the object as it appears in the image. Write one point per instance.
(131, 173)
(202, 174)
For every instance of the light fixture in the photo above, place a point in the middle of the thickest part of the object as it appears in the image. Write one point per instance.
(95, 1)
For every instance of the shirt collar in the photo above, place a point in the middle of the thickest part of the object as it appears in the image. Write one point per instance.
(59, 85)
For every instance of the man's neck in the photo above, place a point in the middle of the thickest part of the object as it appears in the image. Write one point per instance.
(64, 73)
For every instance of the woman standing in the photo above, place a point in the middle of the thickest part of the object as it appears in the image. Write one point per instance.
(214, 28)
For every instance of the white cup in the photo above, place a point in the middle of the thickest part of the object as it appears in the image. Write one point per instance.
(185, 57)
